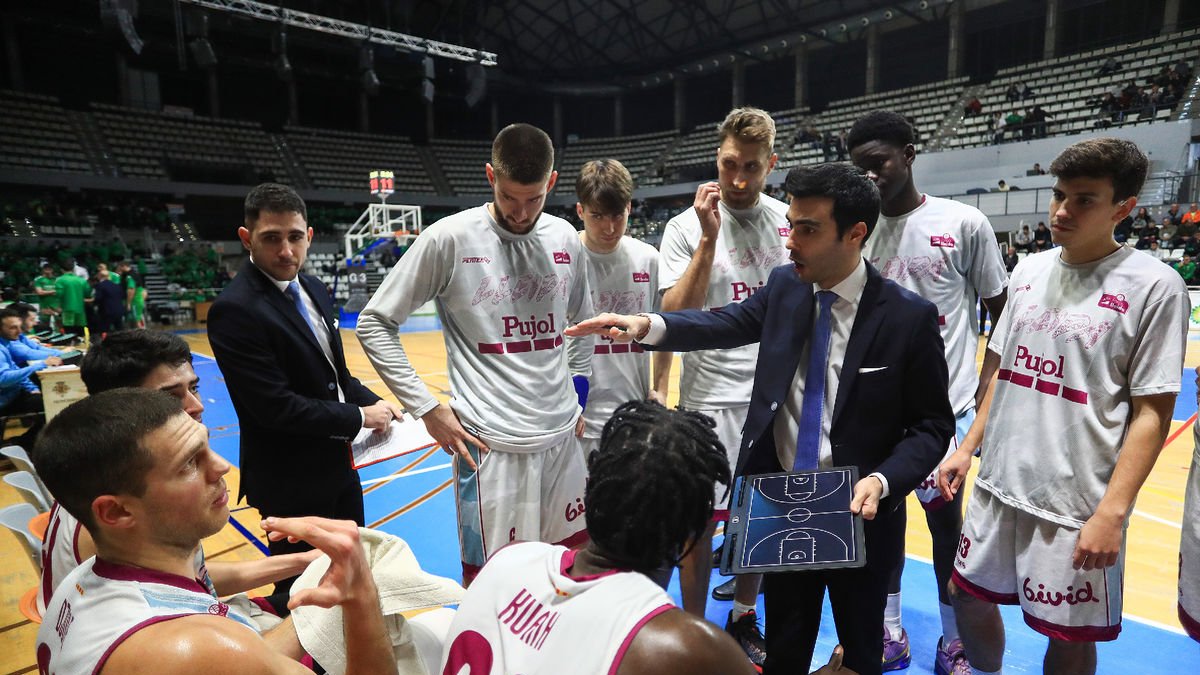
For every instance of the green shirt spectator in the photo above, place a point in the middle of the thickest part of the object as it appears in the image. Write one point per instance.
(43, 286)
(1186, 269)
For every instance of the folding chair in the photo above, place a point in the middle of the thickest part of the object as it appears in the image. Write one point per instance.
(26, 483)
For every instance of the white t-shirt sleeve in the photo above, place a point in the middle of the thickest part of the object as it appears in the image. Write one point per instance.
(674, 255)
(1156, 365)
(987, 273)
(416, 279)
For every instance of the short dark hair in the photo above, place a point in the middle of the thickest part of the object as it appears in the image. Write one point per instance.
(96, 447)
(880, 125)
(10, 313)
(523, 153)
(272, 198)
(855, 197)
(651, 484)
(1116, 159)
(126, 358)
(23, 309)
(604, 184)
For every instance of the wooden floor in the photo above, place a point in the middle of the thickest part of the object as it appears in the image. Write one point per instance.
(1152, 566)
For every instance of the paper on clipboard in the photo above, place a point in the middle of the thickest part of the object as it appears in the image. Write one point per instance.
(400, 438)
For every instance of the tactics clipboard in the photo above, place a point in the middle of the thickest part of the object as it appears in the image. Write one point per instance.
(793, 521)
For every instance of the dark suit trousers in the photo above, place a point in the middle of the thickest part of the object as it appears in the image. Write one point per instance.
(793, 604)
(339, 503)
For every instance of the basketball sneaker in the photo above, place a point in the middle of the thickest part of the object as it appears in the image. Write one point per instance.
(951, 659)
(725, 591)
(748, 636)
(896, 655)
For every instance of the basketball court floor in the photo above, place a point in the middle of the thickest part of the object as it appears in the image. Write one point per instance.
(413, 497)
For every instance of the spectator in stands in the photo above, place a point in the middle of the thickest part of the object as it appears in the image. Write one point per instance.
(1189, 245)
(1155, 251)
(1175, 214)
(1192, 217)
(997, 123)
(1023, 239)
(1002, 186)
(1041, 237)
(1109, 110)
(43, 287)
(18, 393)
(1037, 170)
(1167, 234)
(23, 349)
(1014, 123)
(1141, 220)
(1110, 66)
(973, 107)
(1036, 122)
(1186, 269)
(1011, 259)
(1026, 91)
(1012, 94)
(1149, 236)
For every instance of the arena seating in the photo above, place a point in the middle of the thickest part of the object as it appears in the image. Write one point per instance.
(147, 145)
(638, 153)
(35, 134)
(462, 163)
(342, 159)
(1064, 86)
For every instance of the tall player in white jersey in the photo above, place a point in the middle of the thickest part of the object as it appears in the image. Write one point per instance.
(720, 251)
(541, 609)
(506, 279)
(623, 278)
(1189, 540)
(946, 252)
(139, 474)
(158, 361)
(1091, 356)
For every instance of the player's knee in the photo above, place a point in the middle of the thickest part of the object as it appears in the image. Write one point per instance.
(958, 596)
(1073, 649)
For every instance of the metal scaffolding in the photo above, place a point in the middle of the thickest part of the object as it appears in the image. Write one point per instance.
(346, 29)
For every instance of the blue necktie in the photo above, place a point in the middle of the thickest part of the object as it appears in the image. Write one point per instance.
(808, 439)
(293, 291)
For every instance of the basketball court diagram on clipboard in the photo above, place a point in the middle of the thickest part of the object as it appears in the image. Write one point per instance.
(799, 520)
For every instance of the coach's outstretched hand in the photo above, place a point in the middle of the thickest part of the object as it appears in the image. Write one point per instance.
(619, 327)
(442, 423)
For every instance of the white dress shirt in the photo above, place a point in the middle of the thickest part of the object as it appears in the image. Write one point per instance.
(314, 319)
(787, 423)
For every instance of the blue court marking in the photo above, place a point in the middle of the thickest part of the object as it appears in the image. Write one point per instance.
(430, 529)
(414, 324)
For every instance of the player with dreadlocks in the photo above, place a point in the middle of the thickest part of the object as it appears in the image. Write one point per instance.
(537, 607)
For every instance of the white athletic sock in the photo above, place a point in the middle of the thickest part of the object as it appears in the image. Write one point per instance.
(891, 616)
(740, 610)
(949, 625)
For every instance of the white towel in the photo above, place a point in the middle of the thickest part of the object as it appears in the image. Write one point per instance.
(403, 586)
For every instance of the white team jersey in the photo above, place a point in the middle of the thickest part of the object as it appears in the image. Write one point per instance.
(525, 614)
(945, 252)
(625, 282)
(60, 552)
(749, 246)
(1076, 342)
(504, 300)
(100, 604)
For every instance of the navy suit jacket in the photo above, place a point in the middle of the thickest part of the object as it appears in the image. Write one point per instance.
(294, 431)
(892, 413)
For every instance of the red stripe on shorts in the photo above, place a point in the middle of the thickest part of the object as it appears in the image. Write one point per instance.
(1189, 624)
(983, 593)
(1073, 633)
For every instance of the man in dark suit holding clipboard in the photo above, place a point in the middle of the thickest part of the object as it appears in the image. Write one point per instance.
(275, 339)
(869, 356)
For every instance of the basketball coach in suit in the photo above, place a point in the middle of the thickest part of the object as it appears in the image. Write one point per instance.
(275, 339)
(850, 372)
